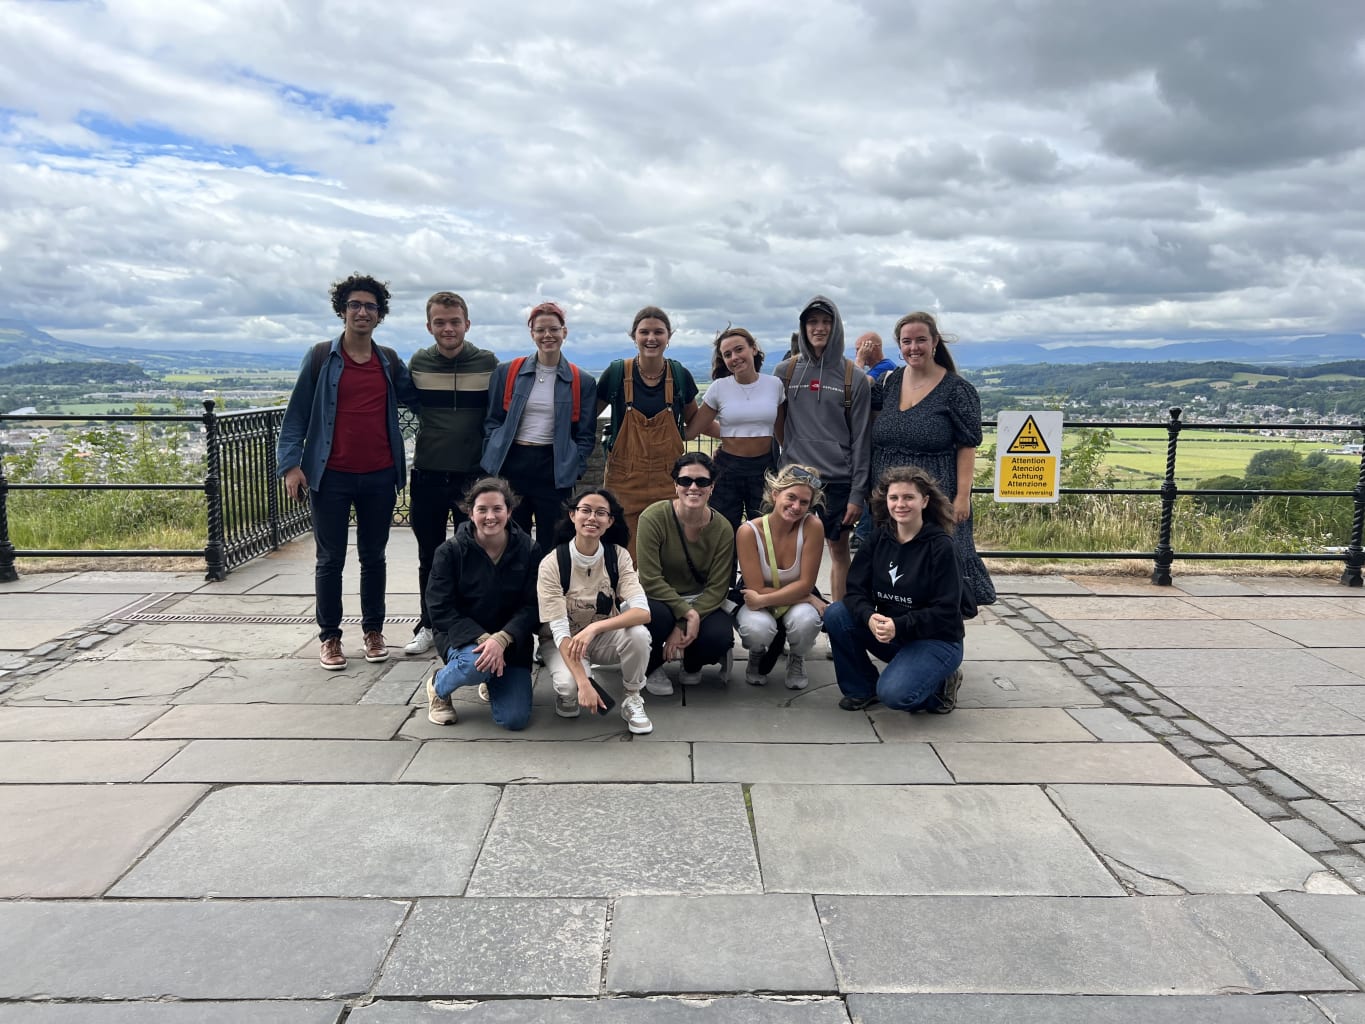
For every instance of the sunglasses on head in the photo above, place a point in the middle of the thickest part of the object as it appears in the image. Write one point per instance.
(693, 481)
(806, 476)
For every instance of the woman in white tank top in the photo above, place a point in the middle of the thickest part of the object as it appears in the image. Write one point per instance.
(745, 410)
(779, 559)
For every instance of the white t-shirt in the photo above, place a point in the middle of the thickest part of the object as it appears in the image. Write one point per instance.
(537, 424)
(746, 410)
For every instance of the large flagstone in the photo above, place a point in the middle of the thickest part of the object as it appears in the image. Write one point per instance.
(611, 840)
(1165, 840)
(77, 840)
(921, 839)
(321, 841)
(290, 949)
(1140, 945)
(498, 947)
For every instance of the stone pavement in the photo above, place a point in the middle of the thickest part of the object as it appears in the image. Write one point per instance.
(1148, 808)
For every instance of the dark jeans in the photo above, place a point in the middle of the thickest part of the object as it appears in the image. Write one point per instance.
(915, 670)
(530, 469)
(373, 495)
(433, 500)
(738, 494)
(716, 636)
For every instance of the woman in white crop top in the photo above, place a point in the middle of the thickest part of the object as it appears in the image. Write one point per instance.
(746, 411)
(779, 559)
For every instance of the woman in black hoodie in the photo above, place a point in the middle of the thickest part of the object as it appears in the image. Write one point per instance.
(903, 603)
(482, 599)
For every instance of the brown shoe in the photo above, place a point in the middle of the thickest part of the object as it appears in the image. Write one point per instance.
(375, 648)
(330, 657)
(439, 712)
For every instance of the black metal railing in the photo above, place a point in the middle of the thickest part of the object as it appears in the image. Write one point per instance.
(249, 514)
(1164, 554)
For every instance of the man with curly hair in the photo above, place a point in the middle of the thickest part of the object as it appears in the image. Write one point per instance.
(340, 448)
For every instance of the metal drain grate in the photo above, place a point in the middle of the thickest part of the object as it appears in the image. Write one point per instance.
(254, 620)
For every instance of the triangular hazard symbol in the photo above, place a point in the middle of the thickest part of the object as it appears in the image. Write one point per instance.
(1029, 441)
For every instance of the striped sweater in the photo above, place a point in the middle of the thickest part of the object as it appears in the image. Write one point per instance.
(454, 401)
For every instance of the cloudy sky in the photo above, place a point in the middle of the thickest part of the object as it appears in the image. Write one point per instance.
(198, 173)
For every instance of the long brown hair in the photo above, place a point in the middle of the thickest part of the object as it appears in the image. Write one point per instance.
(939, 510)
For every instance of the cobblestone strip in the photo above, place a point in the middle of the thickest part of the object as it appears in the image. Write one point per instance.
(22, 668)
(1313, 824)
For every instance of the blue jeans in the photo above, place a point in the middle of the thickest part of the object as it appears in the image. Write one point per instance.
(914, 673)
(509, 695)
(373, 495)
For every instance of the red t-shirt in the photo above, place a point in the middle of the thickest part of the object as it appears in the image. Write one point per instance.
(360, 438)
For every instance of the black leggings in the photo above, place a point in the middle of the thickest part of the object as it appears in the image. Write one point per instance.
(738, 493)
(716, 636)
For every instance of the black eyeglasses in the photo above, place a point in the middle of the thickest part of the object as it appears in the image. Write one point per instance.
(693, 481)
(355, 306)
(596, 513)
(807, 476)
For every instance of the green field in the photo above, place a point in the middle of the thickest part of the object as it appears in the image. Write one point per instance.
(1138, 454)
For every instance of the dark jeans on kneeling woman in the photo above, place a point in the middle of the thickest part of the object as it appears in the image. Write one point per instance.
(915, 669)
(715, 637)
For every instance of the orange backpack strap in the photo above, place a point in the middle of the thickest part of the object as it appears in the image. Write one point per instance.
(513, 369)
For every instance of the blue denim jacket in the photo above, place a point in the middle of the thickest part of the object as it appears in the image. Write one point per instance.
(306, 433)
(573, 442)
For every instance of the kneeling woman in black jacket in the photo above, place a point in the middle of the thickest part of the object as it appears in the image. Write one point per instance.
(903, 603)
(482, 598)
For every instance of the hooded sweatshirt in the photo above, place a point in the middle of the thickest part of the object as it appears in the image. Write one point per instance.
(472, 598)
(918, 584)
(817, 433)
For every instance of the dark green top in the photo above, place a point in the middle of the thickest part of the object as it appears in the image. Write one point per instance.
(649, 400)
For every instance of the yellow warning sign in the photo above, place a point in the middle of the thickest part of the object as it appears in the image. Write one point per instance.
(1028, 478)
(1029, 468)
(1029, 440)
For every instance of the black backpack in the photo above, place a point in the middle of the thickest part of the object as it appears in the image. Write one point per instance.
(318, 356)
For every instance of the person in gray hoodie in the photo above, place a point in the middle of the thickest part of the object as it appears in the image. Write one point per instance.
(828, 427)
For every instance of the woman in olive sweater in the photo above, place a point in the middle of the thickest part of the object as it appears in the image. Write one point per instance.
(687, 563)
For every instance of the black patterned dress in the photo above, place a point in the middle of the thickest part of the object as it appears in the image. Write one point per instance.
(928, 435)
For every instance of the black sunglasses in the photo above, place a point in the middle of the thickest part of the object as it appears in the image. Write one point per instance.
(693, 481)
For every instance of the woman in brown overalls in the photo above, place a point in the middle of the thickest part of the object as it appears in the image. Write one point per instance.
(652, 400)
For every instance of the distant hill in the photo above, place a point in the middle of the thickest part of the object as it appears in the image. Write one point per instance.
(1276, 352)
(21, 343)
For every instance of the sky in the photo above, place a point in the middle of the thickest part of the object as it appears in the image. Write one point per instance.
(198, 174)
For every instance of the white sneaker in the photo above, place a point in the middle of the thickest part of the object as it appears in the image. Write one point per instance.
(633, 711)
(483, 693)
(796, 672)
(689, 678)
(422, 641)
(658, 683)
(566, 707)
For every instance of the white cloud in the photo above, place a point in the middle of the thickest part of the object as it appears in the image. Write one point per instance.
(198, 173)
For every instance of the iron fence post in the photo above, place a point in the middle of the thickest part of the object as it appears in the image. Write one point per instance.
(1164, 555)
(213, 494)
(272, 468)
(1355, 556)
(8, 572)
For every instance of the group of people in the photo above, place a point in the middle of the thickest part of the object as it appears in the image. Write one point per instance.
(641, 571)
